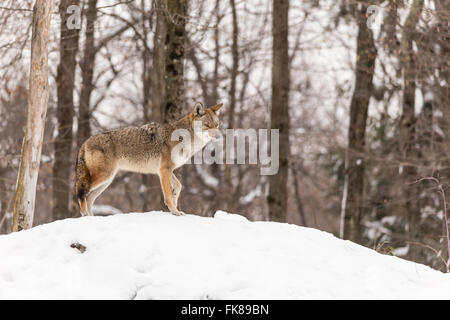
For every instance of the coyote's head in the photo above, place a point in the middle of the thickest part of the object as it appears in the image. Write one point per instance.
(206, 121)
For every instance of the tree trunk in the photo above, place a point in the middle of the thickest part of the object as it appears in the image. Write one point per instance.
(298, 197)
(65, 82)
(353, 198)
(3, 202)
(153, 199)
(174, 62)
(216, 169)
(175, 18)
(231, 115)
(277, 198)
(389, 26)
(215, 83)
(443, 103)
(87, 74)
(37, 109)
(146, 86)
(407, 127)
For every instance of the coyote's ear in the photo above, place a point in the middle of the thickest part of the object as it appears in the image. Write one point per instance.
(199, 109)
(216, 108)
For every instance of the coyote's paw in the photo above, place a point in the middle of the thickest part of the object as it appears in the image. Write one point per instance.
(178, 213)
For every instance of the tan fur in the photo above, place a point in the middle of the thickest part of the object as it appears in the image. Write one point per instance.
(146, 149)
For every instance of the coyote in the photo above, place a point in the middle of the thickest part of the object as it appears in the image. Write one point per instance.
(146, 149)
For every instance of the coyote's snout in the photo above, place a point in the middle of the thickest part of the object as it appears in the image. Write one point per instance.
(146, 149)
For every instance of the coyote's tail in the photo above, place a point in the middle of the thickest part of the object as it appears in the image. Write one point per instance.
(82, 181)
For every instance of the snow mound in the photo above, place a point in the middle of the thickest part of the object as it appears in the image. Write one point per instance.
(160, 256)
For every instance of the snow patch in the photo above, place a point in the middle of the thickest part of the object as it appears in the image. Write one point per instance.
(251, 196)
(104, 210)
(401, 252)
(229, 216)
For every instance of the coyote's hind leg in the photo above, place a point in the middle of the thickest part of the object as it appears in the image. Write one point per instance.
(95, 193)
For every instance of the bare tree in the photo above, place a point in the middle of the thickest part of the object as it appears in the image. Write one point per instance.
(87, 74)
(277, 198)
(3, 202)
(24, 200)
(176, 15)
(408, 123)
(353, 199)
(65, 82)
(158, 67)
(232, 107)
(153, 197)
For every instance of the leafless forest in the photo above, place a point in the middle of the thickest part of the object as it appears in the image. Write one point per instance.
(358, 89)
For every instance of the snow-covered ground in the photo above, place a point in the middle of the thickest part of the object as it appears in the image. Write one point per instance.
(160, 256)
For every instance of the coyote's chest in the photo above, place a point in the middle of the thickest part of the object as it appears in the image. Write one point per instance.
(182, 153)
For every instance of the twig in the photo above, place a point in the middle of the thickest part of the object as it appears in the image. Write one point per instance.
(441, 190)
(438, 254)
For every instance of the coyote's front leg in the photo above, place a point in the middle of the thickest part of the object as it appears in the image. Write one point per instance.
(166, 186)
(176, 185)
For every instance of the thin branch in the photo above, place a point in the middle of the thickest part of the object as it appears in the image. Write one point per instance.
(441, 190)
